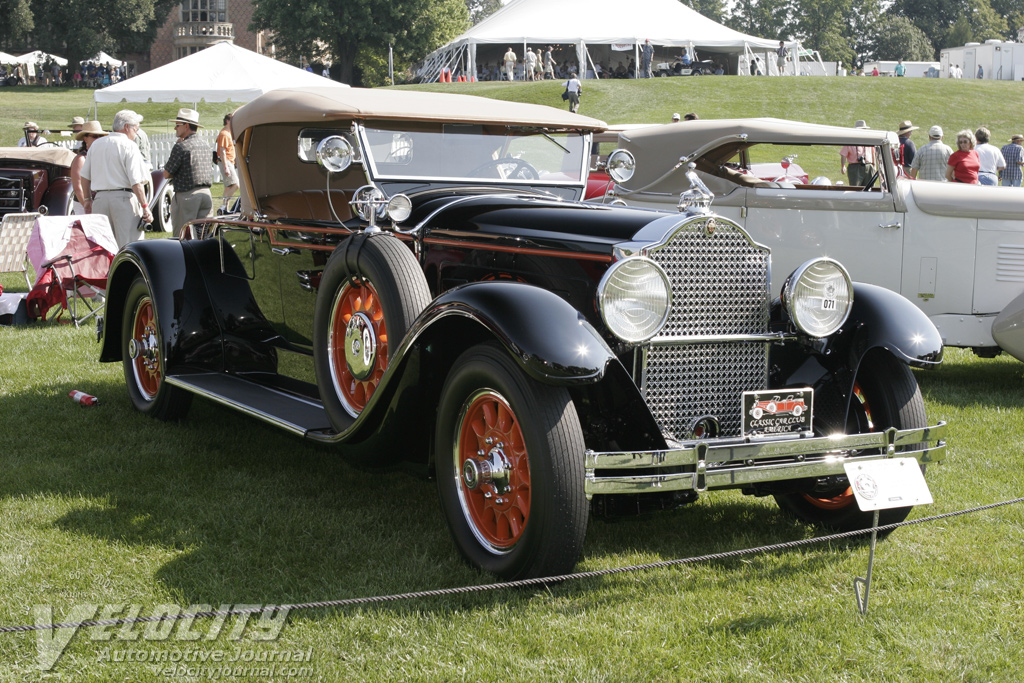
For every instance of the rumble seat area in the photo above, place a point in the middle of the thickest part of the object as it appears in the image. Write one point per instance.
(308, 205)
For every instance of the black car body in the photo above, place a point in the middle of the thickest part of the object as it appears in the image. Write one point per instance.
(414, 276)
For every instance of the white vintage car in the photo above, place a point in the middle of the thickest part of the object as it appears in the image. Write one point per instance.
(956, 251)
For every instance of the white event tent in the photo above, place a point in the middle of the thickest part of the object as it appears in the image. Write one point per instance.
(102, 57)
(217, 74)
(40, 57)
(600, 30)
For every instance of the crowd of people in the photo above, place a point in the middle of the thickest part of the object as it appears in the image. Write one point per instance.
(49, 73)
(975, 161)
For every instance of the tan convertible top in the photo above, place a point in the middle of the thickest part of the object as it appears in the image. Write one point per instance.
(658, 148)
(49, 154)
(308, 105)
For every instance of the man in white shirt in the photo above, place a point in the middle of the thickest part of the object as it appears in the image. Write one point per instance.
(990, 158)
(32, 138)
(114, 172)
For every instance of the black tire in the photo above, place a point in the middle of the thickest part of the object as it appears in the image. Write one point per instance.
(532, 521)
(144, 373)
(162, 209)
(886, 395)
(376, 282)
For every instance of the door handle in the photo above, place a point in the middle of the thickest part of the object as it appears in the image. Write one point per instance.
(890, 226)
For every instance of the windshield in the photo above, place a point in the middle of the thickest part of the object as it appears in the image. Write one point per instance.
(473, 152)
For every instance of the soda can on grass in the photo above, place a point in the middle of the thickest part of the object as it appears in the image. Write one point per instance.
(83, 399)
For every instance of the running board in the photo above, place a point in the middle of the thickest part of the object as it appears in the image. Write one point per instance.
(296, 414)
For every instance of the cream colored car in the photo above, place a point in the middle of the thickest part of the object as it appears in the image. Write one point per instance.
(956, 251)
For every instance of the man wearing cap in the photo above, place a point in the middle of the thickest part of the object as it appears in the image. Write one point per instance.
(908, 150)
(858, 161)
(646, 56)
(990, 158)
(190, 169)
(32, 137)
(1013, 156)
(114, 173)
(676, 118)
(931, 160)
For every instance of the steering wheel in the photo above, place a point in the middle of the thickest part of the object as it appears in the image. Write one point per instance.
(871, 181)
(521, 170)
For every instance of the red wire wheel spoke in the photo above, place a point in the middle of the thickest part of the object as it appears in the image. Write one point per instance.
(498, 513)
(846, 497)
(148, 374)
(354, 385)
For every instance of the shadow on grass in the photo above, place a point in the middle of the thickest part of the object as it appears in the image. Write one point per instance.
(229, 510)
(991, 382)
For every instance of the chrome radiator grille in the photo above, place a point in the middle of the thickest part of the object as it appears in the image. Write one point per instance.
(719, 287)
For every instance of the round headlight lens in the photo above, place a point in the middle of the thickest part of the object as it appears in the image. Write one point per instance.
(634, 298)
(335, 153)
(399, 208)
(818, 296)
(620, 165)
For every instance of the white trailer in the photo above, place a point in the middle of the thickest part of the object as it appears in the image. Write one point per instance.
(999, 60)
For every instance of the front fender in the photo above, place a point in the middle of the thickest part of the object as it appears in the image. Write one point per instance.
(58, 197)
(551, 340)
(882, 318)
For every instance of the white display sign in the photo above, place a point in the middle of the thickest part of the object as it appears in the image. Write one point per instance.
(884, 484)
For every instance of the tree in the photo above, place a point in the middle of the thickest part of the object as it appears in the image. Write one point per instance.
(712, 9)
(946, 22)
(481, 9)
(897, 38)
(78, 29)
(339, 31)
(764, 18)
(17, 23)
(825, 26)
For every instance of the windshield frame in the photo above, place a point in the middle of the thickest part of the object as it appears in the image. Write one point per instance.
(557, 142)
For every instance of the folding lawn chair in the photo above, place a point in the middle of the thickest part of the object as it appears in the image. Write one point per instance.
(14, 236)
(77, 272)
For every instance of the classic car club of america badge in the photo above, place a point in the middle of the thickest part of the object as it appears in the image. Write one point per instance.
(777, 411)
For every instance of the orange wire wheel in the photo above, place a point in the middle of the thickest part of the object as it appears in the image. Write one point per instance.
(143, 349)
(493, 471)
(357, 345)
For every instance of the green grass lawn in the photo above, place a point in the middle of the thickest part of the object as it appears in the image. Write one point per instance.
(101, 505)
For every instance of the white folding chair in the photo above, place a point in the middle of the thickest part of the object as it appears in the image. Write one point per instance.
(14, 235)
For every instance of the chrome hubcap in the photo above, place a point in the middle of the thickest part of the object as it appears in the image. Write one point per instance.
(360, 346)
(489, 468)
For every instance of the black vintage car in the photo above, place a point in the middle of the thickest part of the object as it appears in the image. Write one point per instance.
(414, 276)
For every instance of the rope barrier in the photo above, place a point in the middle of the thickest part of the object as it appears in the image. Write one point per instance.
(523, 583)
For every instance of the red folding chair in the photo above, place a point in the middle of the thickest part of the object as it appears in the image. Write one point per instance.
(76, 278)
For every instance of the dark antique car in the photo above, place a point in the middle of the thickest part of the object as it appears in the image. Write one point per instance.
(414, 276)
(38, 179)
(35, 179)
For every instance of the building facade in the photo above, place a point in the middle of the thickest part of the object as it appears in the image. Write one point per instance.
(197, 24)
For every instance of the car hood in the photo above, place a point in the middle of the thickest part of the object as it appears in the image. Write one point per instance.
(533, 219)
(966, 201)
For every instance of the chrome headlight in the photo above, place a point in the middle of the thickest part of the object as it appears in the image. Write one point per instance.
(335, 153)
(818, 296)
(634, 298)
(399, 208)
(620, 165)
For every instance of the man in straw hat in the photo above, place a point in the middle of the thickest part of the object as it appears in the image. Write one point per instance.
(32, 137)
(190, 169)
(907, 149)
(114, 173)
(857, 160)
(1013, 155)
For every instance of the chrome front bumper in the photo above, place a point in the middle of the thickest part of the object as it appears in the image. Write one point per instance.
(737, 463)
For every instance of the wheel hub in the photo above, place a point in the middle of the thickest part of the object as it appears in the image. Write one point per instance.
(144, 346)
(489, 468)
(360, 346)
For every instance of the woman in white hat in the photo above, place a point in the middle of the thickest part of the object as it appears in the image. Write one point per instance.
(91, 131)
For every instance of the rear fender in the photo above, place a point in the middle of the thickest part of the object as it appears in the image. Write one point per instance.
(204, 314)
